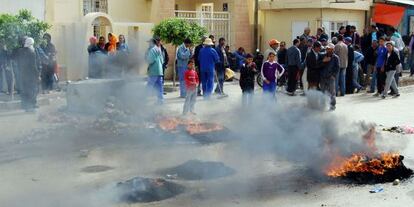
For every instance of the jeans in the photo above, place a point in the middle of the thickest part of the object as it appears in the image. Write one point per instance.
(328, 86)
(190, 100)
(247, 98)
(355, 76)
(181, 72)
(220, 82)
(374, 79)
(390, 83)
(155, 84)
(207, 83)
(340, 81)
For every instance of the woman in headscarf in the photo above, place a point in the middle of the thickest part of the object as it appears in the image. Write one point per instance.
(26, 59)
(112, 45)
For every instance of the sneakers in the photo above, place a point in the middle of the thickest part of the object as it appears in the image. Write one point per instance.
(383, 97)
(396, 95)
(376, 95)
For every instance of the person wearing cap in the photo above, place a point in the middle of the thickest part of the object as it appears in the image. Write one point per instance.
(391, 62)
(197, 62)
(184, 54)
(208, 58)
(329, 73)
(341, 50)
(314, 66)
(349, 68)
(294, 63)
(247, 80)
(271, 71)
(155, 60)
(274, 47)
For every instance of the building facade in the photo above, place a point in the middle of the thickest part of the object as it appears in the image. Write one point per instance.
(286, 19)
(74, 21)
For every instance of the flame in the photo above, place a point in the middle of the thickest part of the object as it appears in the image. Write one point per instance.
(170, 124)
(359, 163)
(369, 161)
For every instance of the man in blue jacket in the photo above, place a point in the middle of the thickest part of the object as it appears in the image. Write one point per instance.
(208, 58)
(221, 66)
(184, 54)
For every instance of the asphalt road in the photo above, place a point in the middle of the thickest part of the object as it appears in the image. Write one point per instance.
(42, 161)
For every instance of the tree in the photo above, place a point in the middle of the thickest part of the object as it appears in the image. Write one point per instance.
(174, 31)
(13, 27)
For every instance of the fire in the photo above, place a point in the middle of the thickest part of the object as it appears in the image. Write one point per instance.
(360, 163)
(171, 124)
(369, 161)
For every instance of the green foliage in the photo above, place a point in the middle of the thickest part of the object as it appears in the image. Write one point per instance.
(13, 27)
(175, 30)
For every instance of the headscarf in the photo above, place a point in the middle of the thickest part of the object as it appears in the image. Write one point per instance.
(93, 40)
(29, 42)
(112, 44)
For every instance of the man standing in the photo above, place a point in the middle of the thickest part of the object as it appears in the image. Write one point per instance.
(329, 74)
(314, 65)
(320, 34)
(306, 33)
(221, 66)
(155, 62)
(183, 56)
(341, 50)
(48, 68)
(274, 47)
(197, 63)
(370, 59)
(294, 61)
(208, 58)
(356, 38)
(379, 66)
(26, 60)
(349, 68)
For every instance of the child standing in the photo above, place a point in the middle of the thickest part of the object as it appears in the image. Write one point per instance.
(271, 71)
(191, 82)
(247, 73)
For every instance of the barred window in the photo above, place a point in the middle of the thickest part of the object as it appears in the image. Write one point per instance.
(90, 6)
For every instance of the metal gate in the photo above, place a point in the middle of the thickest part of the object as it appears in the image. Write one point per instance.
(216, 23)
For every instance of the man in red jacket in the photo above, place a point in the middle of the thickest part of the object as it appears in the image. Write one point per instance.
(191, 82)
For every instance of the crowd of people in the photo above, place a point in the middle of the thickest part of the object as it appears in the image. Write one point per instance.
(108, 59)
(29, 69)
(346, 63)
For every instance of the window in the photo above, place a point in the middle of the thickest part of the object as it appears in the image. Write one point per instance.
(95, 6)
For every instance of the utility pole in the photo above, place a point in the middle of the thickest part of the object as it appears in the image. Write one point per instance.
(256, 24)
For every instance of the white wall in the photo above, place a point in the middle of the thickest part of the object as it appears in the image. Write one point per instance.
(37, 7)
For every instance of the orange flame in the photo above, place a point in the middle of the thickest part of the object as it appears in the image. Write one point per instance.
(170, 124)
(364, 162)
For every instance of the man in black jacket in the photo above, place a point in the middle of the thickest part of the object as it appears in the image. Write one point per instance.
(349, 69)
(314, 65)
(294, 64)
(370, 60)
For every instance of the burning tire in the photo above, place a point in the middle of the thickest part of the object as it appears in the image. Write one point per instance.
(145, 190)
(199, 170)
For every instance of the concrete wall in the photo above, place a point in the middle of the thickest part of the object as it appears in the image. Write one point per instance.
(278, 23)
(37, 7)
(129, 10)
(66, 11)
